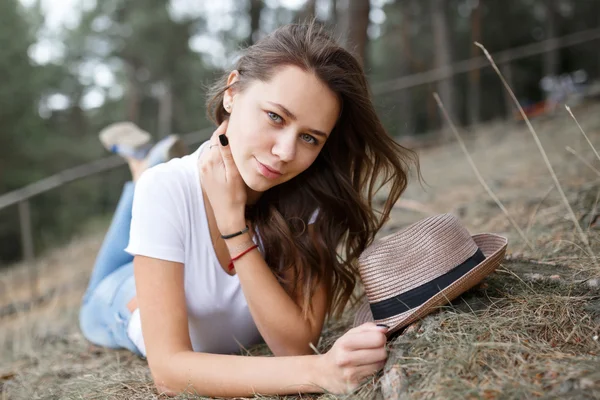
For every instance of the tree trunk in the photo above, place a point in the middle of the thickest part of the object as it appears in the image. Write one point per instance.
(404, 68)
(509, 104)
(309, 10)
(256, 7)
(165, 110)
(474, 109)
(442, 56)
(551, 56)
(357, 25)
(132, 95)
(333, 14)
(510, 108)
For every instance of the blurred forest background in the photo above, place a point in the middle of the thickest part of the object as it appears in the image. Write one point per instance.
(150, 61)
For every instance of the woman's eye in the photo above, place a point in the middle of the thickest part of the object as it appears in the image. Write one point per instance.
(274, 117)
(309, 139)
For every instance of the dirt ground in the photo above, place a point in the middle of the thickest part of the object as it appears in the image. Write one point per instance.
(530, 330)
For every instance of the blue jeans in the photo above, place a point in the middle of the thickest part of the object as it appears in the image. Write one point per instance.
(104, 316)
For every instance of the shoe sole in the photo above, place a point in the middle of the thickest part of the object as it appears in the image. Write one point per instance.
(123, 134)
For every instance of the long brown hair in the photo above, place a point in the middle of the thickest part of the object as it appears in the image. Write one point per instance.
(358, 158)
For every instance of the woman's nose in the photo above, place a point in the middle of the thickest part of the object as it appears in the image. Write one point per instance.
(285, 147)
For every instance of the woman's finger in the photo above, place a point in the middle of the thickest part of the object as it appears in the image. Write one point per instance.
(367, 356)
(225, 150)
(214, 138)
(367, 326)
(370, 339)
(366, 371)
(212, 155)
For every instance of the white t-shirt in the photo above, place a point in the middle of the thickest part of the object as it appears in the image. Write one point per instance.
(169, 222)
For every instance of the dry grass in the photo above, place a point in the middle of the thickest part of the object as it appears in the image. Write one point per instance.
(513, 340)
(514, 336)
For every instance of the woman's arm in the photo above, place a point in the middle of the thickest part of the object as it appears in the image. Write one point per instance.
(277, 314)
(219, 375)
(173, 364)
(176, 368)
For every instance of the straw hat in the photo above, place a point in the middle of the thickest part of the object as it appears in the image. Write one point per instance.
(409, 273)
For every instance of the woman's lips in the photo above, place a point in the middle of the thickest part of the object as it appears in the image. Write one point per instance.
(266, 171)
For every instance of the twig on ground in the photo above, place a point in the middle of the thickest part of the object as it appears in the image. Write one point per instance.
(413, 205)
(476, 170)
(582, 235)
(394, 382)
(510, 257)
(575, 326)
(312, 346)
(582, 132)
(593, 214)
(587, 164)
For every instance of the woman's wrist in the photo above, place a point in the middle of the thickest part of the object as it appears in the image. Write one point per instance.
(238, 244)
(235, 234)
(235, 247)
(232, 227)
(316, 372)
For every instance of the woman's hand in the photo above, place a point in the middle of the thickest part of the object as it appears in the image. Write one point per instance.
(354, 357)
(222, 182)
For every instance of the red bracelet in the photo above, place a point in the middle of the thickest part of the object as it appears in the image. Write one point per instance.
(249, 249)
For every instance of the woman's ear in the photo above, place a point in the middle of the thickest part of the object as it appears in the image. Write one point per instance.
(229, 94)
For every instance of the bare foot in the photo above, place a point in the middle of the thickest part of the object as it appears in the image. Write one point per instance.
(136, 167)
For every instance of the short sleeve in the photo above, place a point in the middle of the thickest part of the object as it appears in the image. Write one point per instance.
(157, 228)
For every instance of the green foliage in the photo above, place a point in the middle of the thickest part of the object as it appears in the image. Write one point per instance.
(18, 93)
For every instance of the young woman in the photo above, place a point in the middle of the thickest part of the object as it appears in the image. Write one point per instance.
(255, 236)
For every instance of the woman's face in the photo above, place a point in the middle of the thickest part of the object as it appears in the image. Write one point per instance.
(277, 128)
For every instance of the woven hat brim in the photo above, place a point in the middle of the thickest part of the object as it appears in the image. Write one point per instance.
(493, 247)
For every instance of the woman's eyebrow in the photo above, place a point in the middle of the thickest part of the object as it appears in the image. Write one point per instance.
(293, 117)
